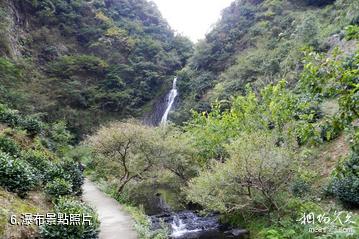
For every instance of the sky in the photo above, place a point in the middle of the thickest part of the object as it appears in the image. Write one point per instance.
(192, 18)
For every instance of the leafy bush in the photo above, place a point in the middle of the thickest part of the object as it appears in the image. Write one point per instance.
(74, 175)
(331, 129)
(67, 170)
(354, 139)
(32, 125)
(59, 187)
(37, 159)
(318, 2)
(345, 184)
(346, 189)
(143, 225)
(10, 117)
(352, 32)
(14, 119)
(54, 171)
(16, 175)
(300, 187)
(59, 136)
(307, 133)
(251, 180)
(9, 146)
(82, 231)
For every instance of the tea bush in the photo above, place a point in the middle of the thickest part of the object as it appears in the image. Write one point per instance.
(9, 146)
(39, 160)
(16, 175)
(67, 170)
(345, 184)
(82, 231)
(59, 187)
(10, 117)
(75, 175)
(346, 189)
(33, 126)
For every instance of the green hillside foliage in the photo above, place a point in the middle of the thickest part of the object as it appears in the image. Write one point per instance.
(256, 159)
(259, 42)
(258, 153)
(267, 126)
(86, 60)
(35, 160)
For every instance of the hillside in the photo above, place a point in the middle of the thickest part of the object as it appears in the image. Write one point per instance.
(89, 60)
(262, 141)
(260, 42)
(265, 131)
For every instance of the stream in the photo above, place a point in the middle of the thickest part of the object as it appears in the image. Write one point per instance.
(190, 225)
(167, 210)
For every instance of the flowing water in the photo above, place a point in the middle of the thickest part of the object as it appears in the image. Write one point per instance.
(190, 225)
(170, 100)
(165, 209)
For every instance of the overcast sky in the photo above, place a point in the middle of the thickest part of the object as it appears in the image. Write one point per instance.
(193, 18)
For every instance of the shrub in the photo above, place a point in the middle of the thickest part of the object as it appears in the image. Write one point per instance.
(75, 175)
(59, 187)
(14, 119)
(82, 231)
(54, 171)
(37, 159)
(67, 170)
(59, 135)
(251, 180)
(354, 139)
(9, 146)
(300, 187)
(32, 125)
(345, 184)
(331, 129)
(143, 225)
(16, 175)
(346, 189)
(352, 32)
(10, 117)
(318, 3)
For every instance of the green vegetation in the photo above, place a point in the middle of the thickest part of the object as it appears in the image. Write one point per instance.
(89, 229)
(58, 187)
(16, 175)
(97, 61)
(251, 180)
(266, 132)
(345, 179)
(143, 225)
(33, 160)
(257, 158)
(260, 42)
(132, 152)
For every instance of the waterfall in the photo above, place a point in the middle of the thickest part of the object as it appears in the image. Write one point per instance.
(170, 100)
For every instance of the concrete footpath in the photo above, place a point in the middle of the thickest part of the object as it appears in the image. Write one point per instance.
(115, 223)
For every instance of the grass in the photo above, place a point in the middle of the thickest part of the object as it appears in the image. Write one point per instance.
(10, 204)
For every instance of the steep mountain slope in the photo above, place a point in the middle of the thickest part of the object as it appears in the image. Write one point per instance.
(259, 42)
(89, 60)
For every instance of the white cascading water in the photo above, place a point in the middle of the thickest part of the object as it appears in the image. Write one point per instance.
(170, 100)
(178, 227)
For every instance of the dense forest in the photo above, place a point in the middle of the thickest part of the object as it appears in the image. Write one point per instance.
(264, 135)
(97, 61)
